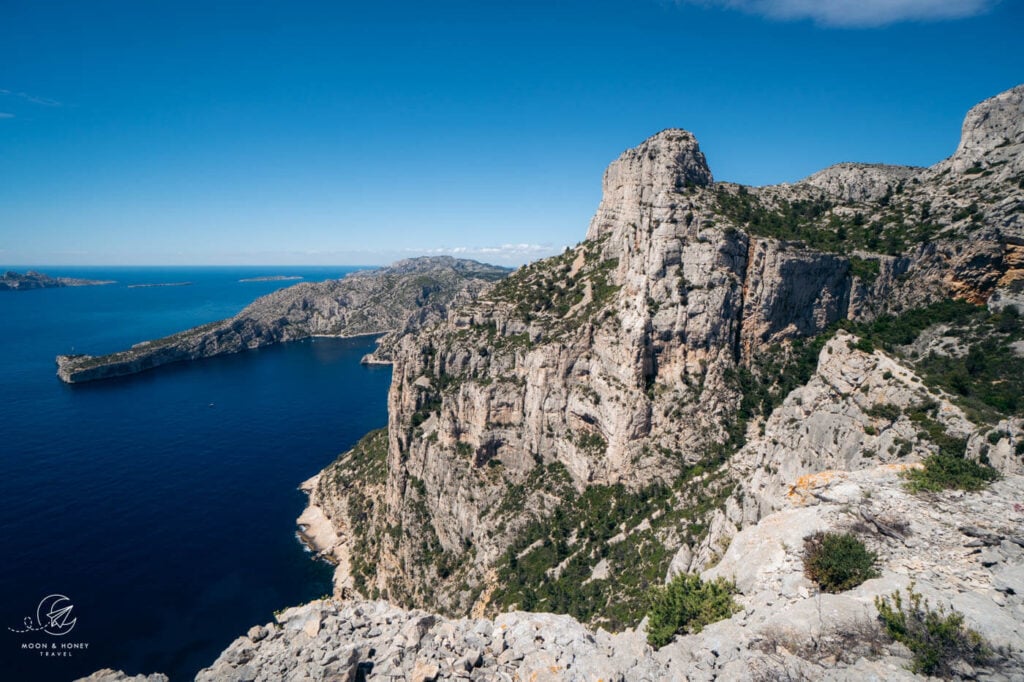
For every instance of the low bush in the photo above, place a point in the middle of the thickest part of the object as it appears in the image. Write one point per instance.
(938, 639)
(886, 411)
(686, 605)
(838, 561)
(944, 472)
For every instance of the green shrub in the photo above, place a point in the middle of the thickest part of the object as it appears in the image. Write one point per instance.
(864, 345)
(838, 561)
(687, 604)
(937, 638)
(943, 472)
(866, 269)
(886, 411)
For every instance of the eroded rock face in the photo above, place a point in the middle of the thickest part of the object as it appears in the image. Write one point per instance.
(618, 361)
(790, 292)
(994, 126)
(851, 182)
(646, 178)
(854, 413)
(825, 462)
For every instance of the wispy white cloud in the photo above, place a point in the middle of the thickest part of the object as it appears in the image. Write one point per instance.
(856, 13)
(34, 99)
(4, 114)
(505, 253)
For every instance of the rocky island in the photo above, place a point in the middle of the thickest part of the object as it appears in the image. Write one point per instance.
(737, 433)
(16, 281)
(368, 302)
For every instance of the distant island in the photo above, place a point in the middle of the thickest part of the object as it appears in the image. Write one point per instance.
(160, 284)
(16, 281)
(272, 278)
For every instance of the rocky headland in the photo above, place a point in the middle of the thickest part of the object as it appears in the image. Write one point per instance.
(16, 281)
(362, 303)
(715, 376)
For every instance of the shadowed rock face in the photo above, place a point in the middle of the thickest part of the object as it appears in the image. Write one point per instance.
(370, 302)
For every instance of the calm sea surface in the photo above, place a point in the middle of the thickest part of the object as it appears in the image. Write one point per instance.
(162, 506)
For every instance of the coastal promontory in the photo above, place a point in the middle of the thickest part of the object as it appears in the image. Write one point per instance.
(16, 281)
(362, 303)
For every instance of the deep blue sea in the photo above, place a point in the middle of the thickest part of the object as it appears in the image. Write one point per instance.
(163, 505)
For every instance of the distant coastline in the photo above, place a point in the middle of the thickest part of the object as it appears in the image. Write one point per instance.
(272, 278)
(160, 284)
(15, 281)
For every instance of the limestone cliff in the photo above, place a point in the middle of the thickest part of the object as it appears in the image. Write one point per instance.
(714, 374)
(656, 346)
(830, 459)
(369, 302)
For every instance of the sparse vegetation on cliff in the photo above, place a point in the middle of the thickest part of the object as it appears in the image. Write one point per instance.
(838, 561)
(815, 223)
(944, 472)
(357, 475)
(937, 637)
(552, 288)
(686, 605)
(983, 373)
(551, 565)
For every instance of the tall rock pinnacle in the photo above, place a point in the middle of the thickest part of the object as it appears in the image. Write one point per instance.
(643, 176)
(995, 124)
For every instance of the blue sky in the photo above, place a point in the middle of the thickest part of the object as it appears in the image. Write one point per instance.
(259, 132)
